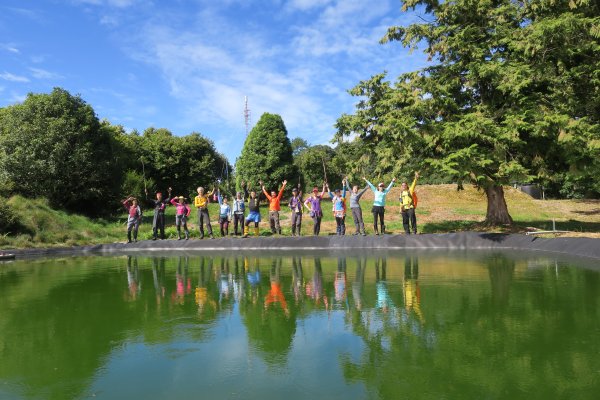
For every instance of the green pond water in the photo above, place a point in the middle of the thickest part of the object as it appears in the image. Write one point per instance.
(418, 326)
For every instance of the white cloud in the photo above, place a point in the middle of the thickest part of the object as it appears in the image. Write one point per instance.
(9, 47)
(304, 5)
(7, 76)
(39, 73)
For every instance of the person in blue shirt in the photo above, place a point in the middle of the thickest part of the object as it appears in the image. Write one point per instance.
(339, 208)
(224, 214)
(378, 209)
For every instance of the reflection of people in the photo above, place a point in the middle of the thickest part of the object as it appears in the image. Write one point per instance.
(314, 288)
(412, 292)
(158, 275)
(339, 284)
(384, 301)
(297, 278)
(183, 285)
(133, 277)
(224, 282)
(359, 281)
(275, 294)
(254, 280)
(201, 293)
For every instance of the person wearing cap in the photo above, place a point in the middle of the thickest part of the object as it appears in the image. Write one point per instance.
(134, 217)
(295, 205)
(357, 216)
(201, 203)
(339, 208)
(158, 222)
(254, 212)
(238, 208)
(378, 209)
(274, 206)
(313, 204)
(224, 214)
(181, 215)
(407, 206)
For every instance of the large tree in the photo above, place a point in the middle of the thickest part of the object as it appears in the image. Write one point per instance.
(513, 94)
(267, 154)
(51, 145)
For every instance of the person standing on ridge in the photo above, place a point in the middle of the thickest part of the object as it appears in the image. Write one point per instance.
(238, 208)
(201, 203)
(134, 217)
(254, 214)
(378, 209)
(408, 203)
(295, 205)
(274, 207)
(224, 214)
(313, 203)
(181, 216)
(339, 208)
(357, 216)
(158, 222)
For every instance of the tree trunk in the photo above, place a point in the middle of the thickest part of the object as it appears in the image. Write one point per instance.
(497, 212)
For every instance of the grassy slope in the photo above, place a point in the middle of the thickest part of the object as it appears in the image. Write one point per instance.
(441, 209)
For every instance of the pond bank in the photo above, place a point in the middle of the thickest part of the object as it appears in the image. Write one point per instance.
(579, 247)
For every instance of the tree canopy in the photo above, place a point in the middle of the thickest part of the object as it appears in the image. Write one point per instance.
(267, 154)
(513, 94)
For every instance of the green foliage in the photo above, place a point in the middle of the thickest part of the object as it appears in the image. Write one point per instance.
(267, 154)
(310, 166)
(513, 94)
(9, 220)
(298, 145)
(51, 145)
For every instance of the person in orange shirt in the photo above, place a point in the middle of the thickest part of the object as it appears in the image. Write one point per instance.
(274, 207)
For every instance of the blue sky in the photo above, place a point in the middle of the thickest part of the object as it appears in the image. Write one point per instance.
(186, 65)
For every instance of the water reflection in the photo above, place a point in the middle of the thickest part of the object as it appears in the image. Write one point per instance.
(407, 324)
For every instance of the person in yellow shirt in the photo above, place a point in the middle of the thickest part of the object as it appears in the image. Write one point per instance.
(407, 206)
(201, 203)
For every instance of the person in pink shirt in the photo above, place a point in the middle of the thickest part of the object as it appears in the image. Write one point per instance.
(134, 217)
(181, 215)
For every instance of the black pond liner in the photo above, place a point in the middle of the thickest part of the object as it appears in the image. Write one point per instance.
(580, 250)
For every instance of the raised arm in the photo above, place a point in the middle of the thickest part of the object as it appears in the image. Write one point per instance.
(174, 201)
(359, 194)
(387, 189)
(281, 190)
(323, 192)
(414, 184)
(265, 193)
(211, 192)
(344, 189)
(373, 188)
(219, 197)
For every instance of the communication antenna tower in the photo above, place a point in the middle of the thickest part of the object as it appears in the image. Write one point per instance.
(246, 114)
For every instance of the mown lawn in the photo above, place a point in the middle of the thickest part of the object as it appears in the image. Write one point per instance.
(441, 209)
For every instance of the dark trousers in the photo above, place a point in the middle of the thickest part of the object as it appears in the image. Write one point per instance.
(158, 224)
(132, 225)
(296, 223)
(378, 212)
(409, 219)
(274, 222)
(341, 225)
(238, 218)
(179, 221)
(224, 225)
(203, 218)
(358, 220)
(317, 224)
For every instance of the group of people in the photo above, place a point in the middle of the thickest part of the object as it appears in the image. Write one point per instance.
(244, 209)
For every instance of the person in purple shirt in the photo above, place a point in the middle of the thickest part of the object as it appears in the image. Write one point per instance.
(313, 203)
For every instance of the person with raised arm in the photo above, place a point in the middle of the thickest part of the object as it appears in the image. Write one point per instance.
(408, 203)
(158, 222)
(254, 214)
(134, 217)
(201, 203)
(224, 213)
(295, 205)
(357, 216)
(339, 208)
(238, 208)
(181, 215)
(274, 207)
(378, 209)
(313, 204)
